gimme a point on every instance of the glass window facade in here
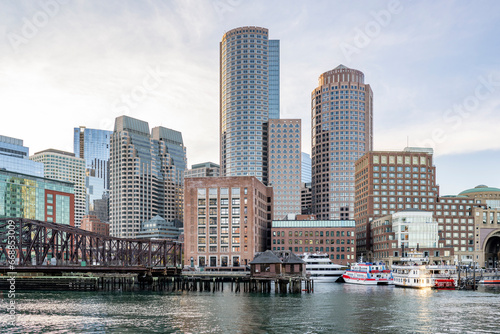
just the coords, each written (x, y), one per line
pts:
(27, 196)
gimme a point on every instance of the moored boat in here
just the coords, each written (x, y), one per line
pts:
(321, 269)
(415, 271)
(368, 273)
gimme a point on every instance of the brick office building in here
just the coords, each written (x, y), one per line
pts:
(227, 220)
(334, 237)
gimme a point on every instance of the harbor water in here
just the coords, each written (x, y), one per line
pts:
(332, 308)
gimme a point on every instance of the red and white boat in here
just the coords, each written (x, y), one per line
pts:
(368, 274)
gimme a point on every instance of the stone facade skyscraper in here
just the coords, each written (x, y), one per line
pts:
(146, 175)
(342, 131)
(249, 97)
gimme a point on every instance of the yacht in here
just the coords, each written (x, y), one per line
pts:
(321, 268)
(368, 273)
(415, 271)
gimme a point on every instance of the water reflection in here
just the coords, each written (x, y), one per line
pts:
(341, 308)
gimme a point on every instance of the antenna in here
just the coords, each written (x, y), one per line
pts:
(407, 141)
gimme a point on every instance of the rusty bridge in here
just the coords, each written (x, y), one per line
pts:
(28, 245)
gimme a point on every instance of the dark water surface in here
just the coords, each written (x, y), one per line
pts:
(332, 308)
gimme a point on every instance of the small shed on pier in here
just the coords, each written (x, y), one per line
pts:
(277, 264)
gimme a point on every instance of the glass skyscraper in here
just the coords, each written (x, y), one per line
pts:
(14, 157)
(92, 145)
(274, 79)
(306, 168)
(146, 175)
(249, 97)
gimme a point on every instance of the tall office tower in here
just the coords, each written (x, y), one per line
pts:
(206, 169)
(387, 182)
(249, 83)
(342, 122)
(92, 145)
(64, 166)
(306, 168)
(14, 157)
(146, 175)
(284, 147)
(227, 220)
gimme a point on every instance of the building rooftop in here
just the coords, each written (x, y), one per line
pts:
(480, 189)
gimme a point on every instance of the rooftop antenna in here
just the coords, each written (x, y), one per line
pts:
(407, 141)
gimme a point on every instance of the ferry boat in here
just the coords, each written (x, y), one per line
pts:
(321, 268)
(489, 280)
(415, 271)
(369, 274)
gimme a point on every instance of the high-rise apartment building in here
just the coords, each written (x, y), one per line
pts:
(146, 175)
(342, 122)
(14, 157)
(249, 97)
(64, 166)
(92, 145)
(227, 220)
(284, 165)
(206, 169)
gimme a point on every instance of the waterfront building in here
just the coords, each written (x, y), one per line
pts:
(333, 237)
(388, 182)
(206, 169)
(249, 97)
(14, 157)
(93, 224)
(396, 235)
(284, 166)
(33, 197)
(342, 131)
(306, 168)
(305, 199)
(158, 228)
(227, 220)
(146, 175)
(92, 145)
(65, 166)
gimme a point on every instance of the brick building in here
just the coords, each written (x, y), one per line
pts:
(334, 237)
(93, 224)
(227, 220)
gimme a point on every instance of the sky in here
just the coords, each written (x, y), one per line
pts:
(433, 66)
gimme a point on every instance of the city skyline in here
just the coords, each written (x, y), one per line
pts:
(432, 68)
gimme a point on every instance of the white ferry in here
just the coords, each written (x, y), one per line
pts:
(321, 268)
(368, 274)
(416, 272)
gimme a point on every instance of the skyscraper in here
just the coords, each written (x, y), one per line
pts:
(92, 145)
(306, 168)
(249, 96)
(64, 166)
(146, 175)
(342, 131)
(284, 165)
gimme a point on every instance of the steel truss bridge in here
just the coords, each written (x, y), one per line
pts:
(37, 246)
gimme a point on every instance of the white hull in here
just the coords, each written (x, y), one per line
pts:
(325, 279)
(364, 281)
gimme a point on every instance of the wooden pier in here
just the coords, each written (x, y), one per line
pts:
(141, 282)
